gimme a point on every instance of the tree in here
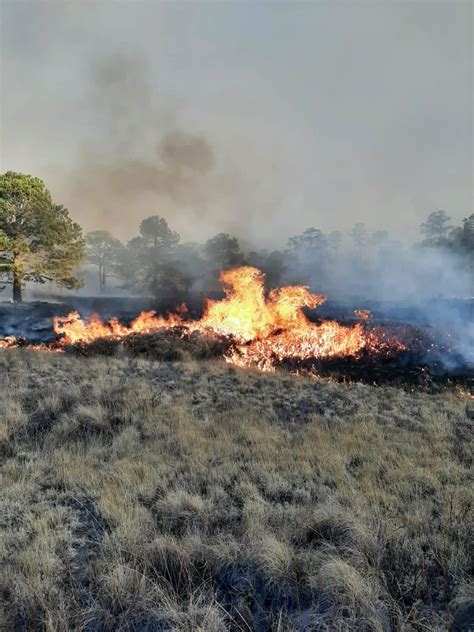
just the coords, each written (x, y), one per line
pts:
(147, 262)
(271, 263)
(312, 239)
(334, 242)
(467, 237)
(103, 251)
(359, 235)
(378, 238)
(38, 240)
(155, 233)
(436, 229)
(189, 264)
(274, 268)
(223, 252)
(308, 252)
(462, 238)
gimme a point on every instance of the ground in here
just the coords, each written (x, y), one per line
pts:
(185, 495)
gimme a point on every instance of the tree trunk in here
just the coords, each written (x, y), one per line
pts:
(17, 296)
(102, 277)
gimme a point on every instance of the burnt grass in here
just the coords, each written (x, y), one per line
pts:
(146, 489)
(165, 344)
(412, 367)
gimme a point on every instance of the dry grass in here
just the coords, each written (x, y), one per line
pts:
(145, 495)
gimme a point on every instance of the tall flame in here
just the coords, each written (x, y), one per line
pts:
(265, 330)
(247, 315)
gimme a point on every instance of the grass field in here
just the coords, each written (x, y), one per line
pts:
(144, 495)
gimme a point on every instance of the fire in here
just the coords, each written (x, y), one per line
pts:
(247, 315)
(75, 330)
(266, 330)
(8, 343)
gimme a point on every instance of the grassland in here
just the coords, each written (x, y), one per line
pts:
(145, 495)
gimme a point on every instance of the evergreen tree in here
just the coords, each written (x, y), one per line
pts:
(103, 251)
(147, 263)
(436, 229)
(38, 240)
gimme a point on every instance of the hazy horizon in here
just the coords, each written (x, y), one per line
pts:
(255, 119)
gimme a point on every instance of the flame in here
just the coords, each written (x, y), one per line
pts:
(266, 330)
(75, 330)
(247, 315)
(8, 343)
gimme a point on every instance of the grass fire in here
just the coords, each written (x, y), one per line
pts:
(264, 331)
(175, 459)
(236, 317)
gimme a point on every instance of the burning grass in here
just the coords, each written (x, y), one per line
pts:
(140, 494)
(262, 330)
(253, 328)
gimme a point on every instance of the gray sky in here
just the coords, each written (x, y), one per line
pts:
(260, 119)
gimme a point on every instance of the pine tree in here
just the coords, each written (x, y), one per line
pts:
(38, 240)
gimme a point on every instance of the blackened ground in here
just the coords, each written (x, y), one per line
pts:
(406, 369)
(421, 365)
(164, 344)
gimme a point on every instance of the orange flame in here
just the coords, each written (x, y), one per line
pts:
(8, 343)
(247, 315)
(75, 330)
(265, 330)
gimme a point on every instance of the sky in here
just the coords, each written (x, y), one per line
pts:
(257, 119)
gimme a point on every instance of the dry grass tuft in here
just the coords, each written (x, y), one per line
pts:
(172, 495)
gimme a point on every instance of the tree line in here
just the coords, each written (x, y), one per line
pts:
(39, 242)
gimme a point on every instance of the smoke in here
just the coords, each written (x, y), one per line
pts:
(251, 120)
(139, 163)
(430, 287)
(283, 133)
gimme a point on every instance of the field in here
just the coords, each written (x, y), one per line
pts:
(184, 495)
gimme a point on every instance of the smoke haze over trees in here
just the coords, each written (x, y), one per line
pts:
(142, 108)
(240, 393)
(157, 109)
(39, 243)
(357, 263)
